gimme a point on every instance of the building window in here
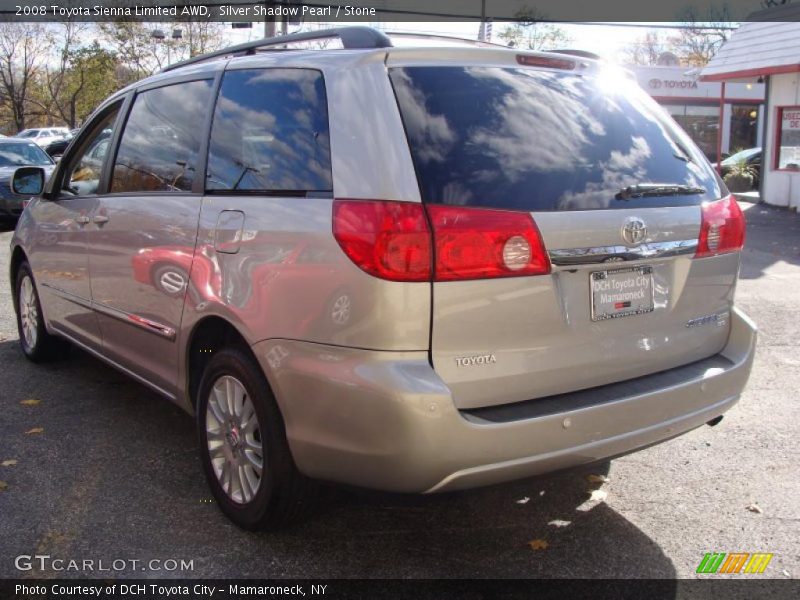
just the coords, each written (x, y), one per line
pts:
(787, 146)
(701, 122)
(744, 127)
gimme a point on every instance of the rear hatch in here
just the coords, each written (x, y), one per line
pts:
(617, 194)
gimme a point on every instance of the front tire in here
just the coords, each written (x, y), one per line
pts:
(36, 343)
(243, 447)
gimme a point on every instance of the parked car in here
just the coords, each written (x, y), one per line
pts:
(408, 269)
(750, 157)
(13, 154)
(44, 136)
(56, 149)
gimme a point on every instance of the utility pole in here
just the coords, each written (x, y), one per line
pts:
(269, 22)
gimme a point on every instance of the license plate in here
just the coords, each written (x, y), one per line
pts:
(621, 293)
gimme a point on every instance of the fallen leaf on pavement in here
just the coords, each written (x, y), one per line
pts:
(8, 463)
(30, 402)
(560, 523)
(538, 544)
(524, 500)
(34, 430)
(597, 479)
(754, 508)
(3, 486)
(598, 495)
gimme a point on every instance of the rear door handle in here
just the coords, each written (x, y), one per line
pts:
(100, 219)
(82, 220)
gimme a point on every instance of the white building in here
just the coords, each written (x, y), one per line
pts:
(695, 105)
(769, 51)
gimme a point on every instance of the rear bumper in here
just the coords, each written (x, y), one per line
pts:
(385, 420)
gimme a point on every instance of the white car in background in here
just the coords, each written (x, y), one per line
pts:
(43, 136)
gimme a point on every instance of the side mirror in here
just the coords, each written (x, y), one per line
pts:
(28, 181)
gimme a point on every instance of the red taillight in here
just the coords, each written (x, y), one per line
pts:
(722, 228)
(390, 240)
(475, 243)
(531, 60)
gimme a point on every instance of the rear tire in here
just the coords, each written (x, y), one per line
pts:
(37, 345)
(243, 447)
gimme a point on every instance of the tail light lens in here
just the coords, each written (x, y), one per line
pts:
(390, 240)
(722, 228)
(530, 60)
(475, 243)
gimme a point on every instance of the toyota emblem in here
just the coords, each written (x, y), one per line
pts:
(634, 231)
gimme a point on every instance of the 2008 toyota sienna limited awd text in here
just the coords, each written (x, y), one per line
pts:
(404, 268)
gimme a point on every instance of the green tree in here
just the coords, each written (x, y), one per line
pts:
(86, 79)
(78, 76)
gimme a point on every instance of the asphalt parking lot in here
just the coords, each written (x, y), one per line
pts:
(113, 474)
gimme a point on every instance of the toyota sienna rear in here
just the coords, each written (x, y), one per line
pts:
(406, 269)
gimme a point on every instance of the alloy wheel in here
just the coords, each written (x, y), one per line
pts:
(28, 312)
(233, 437)
(340, 311)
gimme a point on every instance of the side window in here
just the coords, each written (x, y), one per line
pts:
(270, 133)
(161, 140)
(84, 169)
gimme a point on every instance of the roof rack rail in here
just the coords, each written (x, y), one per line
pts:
(578, 53)
(351, 37)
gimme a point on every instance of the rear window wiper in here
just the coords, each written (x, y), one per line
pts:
(642, 190)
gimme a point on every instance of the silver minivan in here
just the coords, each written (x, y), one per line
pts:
(403, 268)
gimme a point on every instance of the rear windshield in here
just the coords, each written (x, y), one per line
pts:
(22, 153)
(523, 139)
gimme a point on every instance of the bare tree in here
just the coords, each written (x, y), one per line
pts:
(140, 54)
(647, 49)
(535, 36)
(695, 43)
(59, 99)
(23, 47)
(700, 38)
(200, 37)
(134, 46)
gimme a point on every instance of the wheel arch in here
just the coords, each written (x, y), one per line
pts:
(208, 336)
(18, 256)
